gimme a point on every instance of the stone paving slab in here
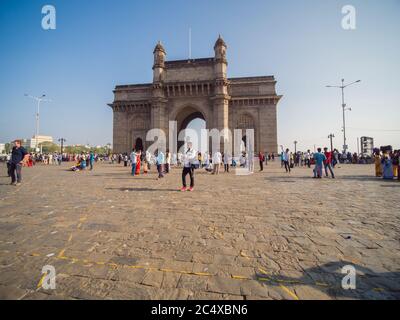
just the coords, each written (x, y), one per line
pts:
(270, 235)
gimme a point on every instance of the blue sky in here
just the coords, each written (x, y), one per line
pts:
(98, 44)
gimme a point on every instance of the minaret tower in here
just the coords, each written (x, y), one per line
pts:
(221, 98)
(159, 63)
(159, 106)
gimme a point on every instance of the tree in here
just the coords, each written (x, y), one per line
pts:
(49, 147)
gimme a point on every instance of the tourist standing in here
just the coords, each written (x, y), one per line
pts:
(188, 167)
(217, 159)
(18, 157)
(167, 161)
(319, 159)
(83, 161)
(125, 157)
(138, 162)
(387, 167)
(328, 163)
(378, 163)
(206, 159)
(9, 165)
(133, 162)
(200, 159)
(398, 165)
(395, 162)
(160, 159)
(261, 158)
(226, 162)
(307, 158)
(91, 160)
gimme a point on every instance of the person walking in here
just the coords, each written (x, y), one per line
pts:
(18, 156)
(286, 160)
(133, 161)
(188, 167)
(328, 163)
(319, 158)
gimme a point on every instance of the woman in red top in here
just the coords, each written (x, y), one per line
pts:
(138, 155)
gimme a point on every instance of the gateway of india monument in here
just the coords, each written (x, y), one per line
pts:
(183, 90)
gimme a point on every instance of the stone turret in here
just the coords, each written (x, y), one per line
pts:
(159, 63)
(220, 58)
(221, 98)
(158, 112)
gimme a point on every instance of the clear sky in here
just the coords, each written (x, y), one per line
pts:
(98, 44)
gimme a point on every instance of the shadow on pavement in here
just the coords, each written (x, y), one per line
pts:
(328, 279)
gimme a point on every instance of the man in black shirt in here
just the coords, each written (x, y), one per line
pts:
(18, 156)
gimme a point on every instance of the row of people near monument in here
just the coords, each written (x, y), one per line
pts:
(303, 159)
(144, 161)
(321, 160)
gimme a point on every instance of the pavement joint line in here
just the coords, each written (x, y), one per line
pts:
(39, 285)
(264, 278)
(289, 292)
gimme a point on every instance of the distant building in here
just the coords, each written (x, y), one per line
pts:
(2, 148)
(36, 141)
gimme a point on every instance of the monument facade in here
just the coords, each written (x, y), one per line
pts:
(183, 90)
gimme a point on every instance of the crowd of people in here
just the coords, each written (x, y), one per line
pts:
(387, 164)
(140, 161)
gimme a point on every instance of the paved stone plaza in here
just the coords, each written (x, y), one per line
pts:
(266, 236)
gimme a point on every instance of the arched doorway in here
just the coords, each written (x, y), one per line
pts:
(246, 121)
(190, 123)
(139, 144)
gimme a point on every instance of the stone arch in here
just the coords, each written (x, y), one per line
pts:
(139, 145)
(184, 114)
(247, 120)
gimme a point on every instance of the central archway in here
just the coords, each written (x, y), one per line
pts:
(191, 118)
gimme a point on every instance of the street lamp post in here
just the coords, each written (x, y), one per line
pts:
(295, 147)
(331, 136)
(344, 109)
(38, 100)
(62, 140)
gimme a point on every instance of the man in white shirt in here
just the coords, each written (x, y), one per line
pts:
(307, 158)
(160, 160)
(188, 167)
(167, 161)
(148, 159)
(286, 160)
(217, 159)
